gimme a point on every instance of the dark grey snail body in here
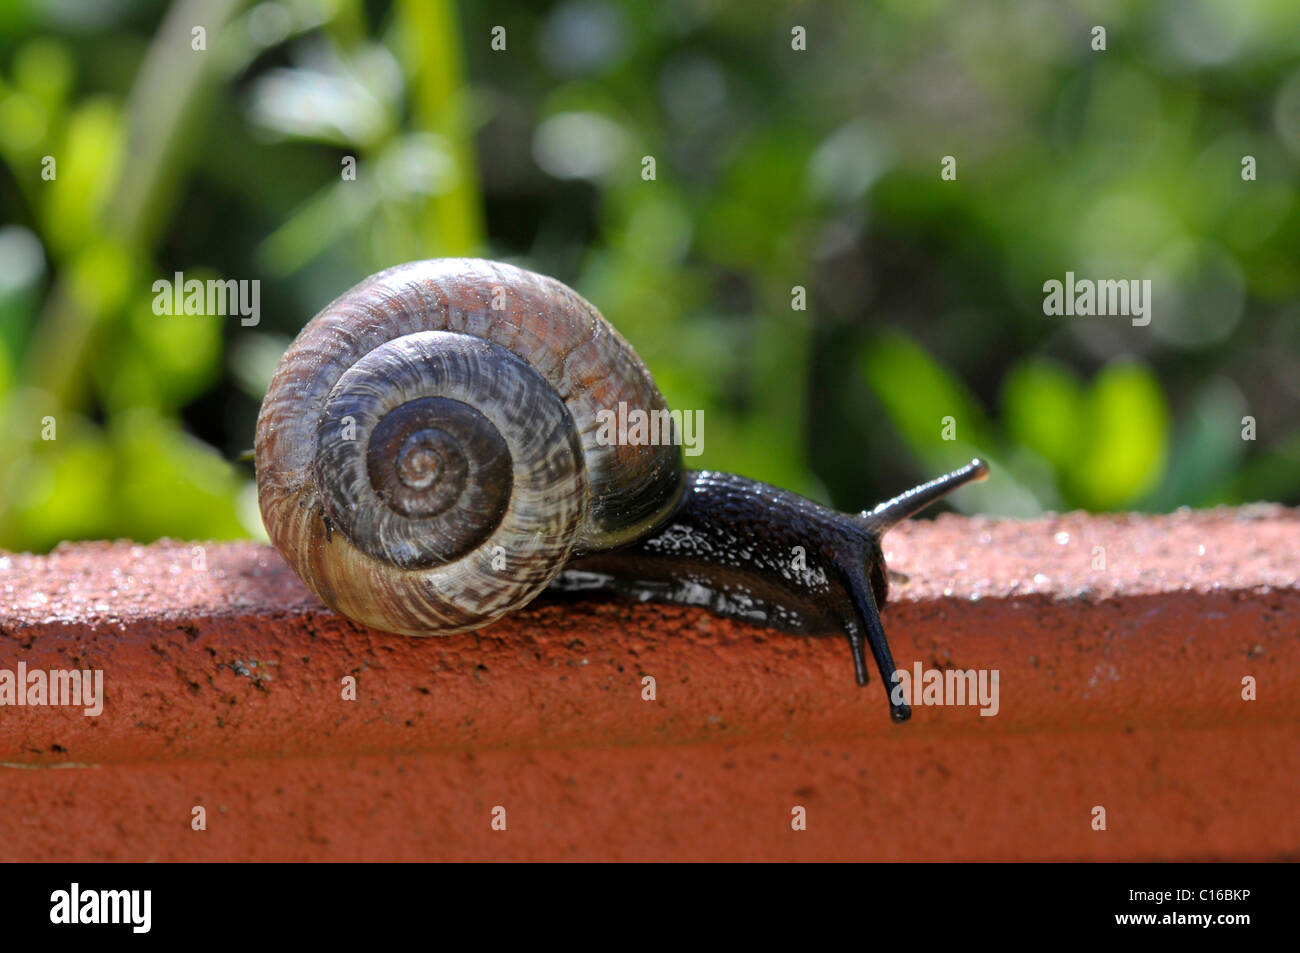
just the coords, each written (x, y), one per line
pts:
(428, 459)
(731, 546)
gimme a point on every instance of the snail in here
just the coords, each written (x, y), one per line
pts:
(429, 457)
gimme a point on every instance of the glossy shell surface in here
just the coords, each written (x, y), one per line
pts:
(429, 452)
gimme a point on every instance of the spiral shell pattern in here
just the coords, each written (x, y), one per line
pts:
(427, 453)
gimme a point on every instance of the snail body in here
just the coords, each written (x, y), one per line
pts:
(429, 458)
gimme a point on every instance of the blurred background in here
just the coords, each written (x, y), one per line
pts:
(774, 168)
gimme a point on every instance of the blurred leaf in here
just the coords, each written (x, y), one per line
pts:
(1123, 448)
(61, 491)
(1208, 448)
(22, 271)
(169, 484)
(756, 191)
(918, 393)
(43, 69)
(847, 163)
(100, 277)
(325, 219)
(269, 24)
(580, 145)
(24, 125)
(6, 371)
(415, 166)
(1043, 408)
(87, 170)
(332, 100)
(162, 360)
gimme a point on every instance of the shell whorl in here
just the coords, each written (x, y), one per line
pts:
(427, 452)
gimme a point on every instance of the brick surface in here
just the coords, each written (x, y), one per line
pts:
(1119, 687)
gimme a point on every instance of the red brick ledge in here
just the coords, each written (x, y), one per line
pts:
(1119, 686)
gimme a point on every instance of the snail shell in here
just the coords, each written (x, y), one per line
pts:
(439, 421)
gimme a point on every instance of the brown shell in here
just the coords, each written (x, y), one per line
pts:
(573, 495)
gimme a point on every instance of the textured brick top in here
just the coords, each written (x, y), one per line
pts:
(219, 651)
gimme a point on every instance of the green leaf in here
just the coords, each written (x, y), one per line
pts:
(325, 218)
(1042, 408)
(1125, 443)
(86, 172)
(43, 68)
(919, 395)
(60, 491)
(169, 484)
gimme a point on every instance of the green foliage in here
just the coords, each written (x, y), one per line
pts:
(924, 339)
